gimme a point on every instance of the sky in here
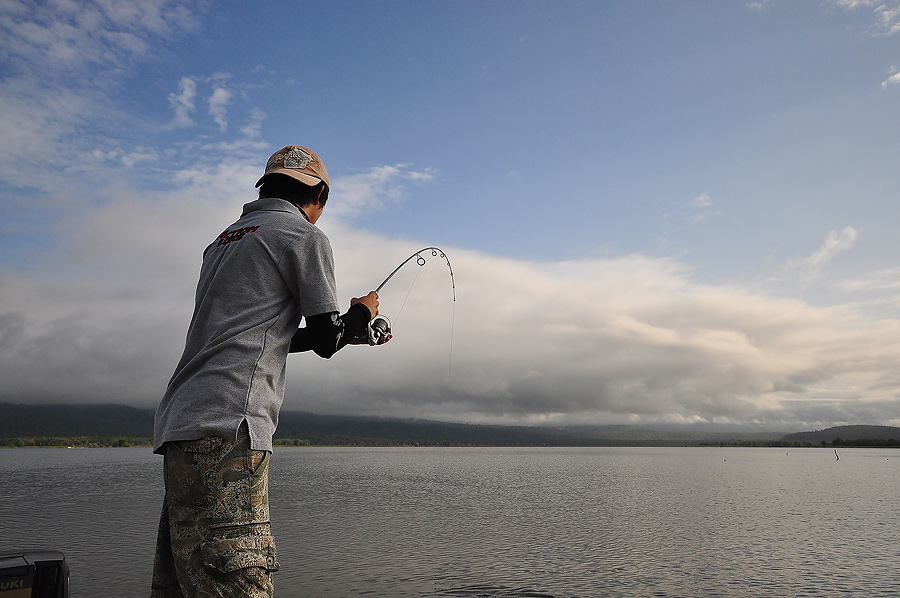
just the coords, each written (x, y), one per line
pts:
(657, 213)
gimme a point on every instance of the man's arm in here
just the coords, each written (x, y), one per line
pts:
(326, 334)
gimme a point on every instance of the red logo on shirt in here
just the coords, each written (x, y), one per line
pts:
(230, 236)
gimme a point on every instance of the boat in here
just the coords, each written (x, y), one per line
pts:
(34, 574)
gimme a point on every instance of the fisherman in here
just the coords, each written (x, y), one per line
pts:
(214, 425)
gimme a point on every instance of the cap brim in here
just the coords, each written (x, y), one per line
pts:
(303, 178)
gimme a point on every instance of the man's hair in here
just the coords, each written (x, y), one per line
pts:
(285, 187)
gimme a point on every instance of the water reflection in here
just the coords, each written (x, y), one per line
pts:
(502, 523)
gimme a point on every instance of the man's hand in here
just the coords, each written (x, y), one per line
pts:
(370, 301)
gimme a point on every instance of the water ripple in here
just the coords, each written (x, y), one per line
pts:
(500, 523)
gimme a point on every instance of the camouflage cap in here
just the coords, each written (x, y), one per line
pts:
(297, 162)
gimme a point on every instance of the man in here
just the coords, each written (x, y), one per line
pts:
(215, 422)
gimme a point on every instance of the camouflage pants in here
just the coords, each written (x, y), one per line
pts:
(214, 536)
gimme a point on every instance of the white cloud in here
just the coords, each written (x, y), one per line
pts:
(852, 4)
(31, 123)
(698, 208)
(217, 106)
(808, 268)
(183, 102)
(760, 6)
(138, 155)
(887, 12)
(61, 59)
(66, 37)
(884, 280)
(701, 201)
(158, 17)
(889, 17)
(252, 128)
(212, 177)
(379, 186)
(836, 242)
(894, 79)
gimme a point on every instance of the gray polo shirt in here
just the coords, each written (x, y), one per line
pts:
(258, 279)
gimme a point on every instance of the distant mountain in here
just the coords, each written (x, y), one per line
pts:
(25, 421)
(342, 430)
(109, 421)
(74, 420)
(845, 433)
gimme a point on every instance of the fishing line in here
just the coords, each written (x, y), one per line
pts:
(421, 262)
(408, 292)
(380, 327)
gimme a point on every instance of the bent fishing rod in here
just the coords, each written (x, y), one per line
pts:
(379, 329)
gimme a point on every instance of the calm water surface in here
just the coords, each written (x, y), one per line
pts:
(504, 523)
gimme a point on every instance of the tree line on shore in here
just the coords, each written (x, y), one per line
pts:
(340, 440)
(836, 443)
(74, 442)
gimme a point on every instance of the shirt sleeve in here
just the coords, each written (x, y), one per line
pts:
(326, 334)
(308, 269)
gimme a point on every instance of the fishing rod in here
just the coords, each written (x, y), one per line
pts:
(379, 329)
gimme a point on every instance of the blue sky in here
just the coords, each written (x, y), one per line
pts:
(656, 212)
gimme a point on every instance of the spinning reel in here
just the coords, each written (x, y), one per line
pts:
(379, 331)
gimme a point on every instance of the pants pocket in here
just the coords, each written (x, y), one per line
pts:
(229, 555)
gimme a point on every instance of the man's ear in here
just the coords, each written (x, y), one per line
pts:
(321, 190)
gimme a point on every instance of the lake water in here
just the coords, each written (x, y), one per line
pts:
(503, 523)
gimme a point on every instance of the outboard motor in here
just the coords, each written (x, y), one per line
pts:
(38, 574)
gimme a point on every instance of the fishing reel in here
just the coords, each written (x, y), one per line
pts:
(379, 330)
(376, 333)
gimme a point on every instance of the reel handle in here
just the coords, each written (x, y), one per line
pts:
(379, 331)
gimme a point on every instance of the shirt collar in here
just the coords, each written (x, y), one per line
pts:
(273, 204)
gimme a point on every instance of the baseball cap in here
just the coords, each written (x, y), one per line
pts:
(297, 162)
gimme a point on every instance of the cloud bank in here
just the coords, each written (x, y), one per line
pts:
(631, 339)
